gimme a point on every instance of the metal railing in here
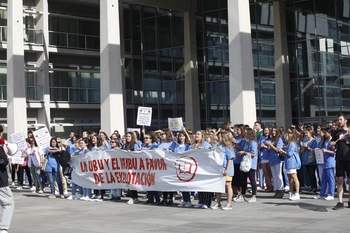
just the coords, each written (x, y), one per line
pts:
(74, 95)
(33, 93)
(73, 40)
(30, 36)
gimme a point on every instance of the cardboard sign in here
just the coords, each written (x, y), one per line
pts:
(42, 137)
(319, 156)
(144, 116)
(20, 140)
(175, 124)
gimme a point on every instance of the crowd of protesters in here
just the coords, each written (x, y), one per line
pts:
(283, 162)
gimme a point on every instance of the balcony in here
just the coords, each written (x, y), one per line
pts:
(75, 95)
(30, 36)
(74, 41)
(34, 93)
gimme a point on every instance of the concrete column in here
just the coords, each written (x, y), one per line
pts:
(16, 85)
(242, 92)
(192, 104)
(43, 79)
(282, 86)
(112, 103)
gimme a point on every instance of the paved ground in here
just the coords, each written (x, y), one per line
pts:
(36, 213)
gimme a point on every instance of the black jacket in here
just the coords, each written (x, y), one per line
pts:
(4, 179)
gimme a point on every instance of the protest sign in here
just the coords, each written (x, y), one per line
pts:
(42, 137)
(319, 156)
(175, 124)
(20, 140)
(144, 116)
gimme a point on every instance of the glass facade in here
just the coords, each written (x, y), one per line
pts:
(318, 39)
(213, 63)
(153, 62)
(153, 59)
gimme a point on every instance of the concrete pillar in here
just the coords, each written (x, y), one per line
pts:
(16, 85)
(43, 79)
(112, 103)
(282, 86)
(242, 91)
(192, 104)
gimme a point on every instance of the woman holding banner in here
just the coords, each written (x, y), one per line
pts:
(182, 146)
(131, 145)
(150, 144)
(167, 143)
(200, 143)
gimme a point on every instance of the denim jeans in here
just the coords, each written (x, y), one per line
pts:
(35, 171)
(55, 176)
(87, 192)
(74, 189)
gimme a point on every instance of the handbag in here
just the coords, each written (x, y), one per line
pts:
(246, 163)
(44, 163)
(68, 172)
(310, 157)
(297, 160)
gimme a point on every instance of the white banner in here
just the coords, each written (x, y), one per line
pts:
(144, 116)
(150, 170)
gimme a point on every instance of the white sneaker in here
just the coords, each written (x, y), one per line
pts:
(32, 188)
(65, 193)
(318, 197)
(204, 207)
(198, 205)
(216, 206)
(87, 198)
(40, 191)
(13, 184)
(182, 204)
(286, 189)
(82, 198)
(239, 199)
(71, 198)
(188, 204)
(295, 197)
(252, 200)
(20, 187)
(227, 207)
(130, 202)
(57, 193)
(329, 198)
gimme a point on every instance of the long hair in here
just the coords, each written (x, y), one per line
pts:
(250, 134)
(201, 142)
(130, 145)
(225, 140)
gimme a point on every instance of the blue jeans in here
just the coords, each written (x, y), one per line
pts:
(86, 192)
(55, 176)
(327, 180)
(285, 176)
(74, 189)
